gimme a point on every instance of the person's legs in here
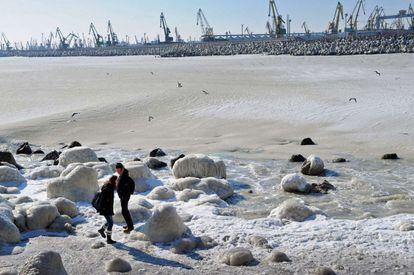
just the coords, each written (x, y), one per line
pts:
(126, 214)
(109, 227)
(103, 228)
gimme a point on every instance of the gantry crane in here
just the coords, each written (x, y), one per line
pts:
(49, 40)
(99, 41)
(6, 42)
(372, 19)
(206, 30)
(278, 28)
(177, 36)
(112, 38)
(248, 31)
(167, 31)
(333, 27)
(305, 27)
(353, 18)
(65, 41)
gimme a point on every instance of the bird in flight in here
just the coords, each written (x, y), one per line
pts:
(378, 73)
(205, 92)
(150, 118)
(353, 99)
(179, 84)
(152, 73)
(75, 114)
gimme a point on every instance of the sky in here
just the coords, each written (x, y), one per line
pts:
(22, 19)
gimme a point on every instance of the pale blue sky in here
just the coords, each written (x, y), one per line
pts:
(21, 19)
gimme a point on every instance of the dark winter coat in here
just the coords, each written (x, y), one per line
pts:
(107, 201)
(126, 185)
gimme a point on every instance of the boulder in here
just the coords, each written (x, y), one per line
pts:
(324, 271)
(161, 193)
(38, 152)
(278, 257)
(139, 213)
(157, 153)
(313, 166)
(54, 155)
(66, 207)
(103, 169)
(8, 157)
(237, 257)
(24, 149)
(405, 226)
(9, 232)
(258, 241)
(322, 188)
(293, 210)
(40, 215)
(10, 177)
(220, 187)
(295, 183)
(103, 160)
(155, 164)
(307, 141)
(3, 190)
(98, 245)
(46, 172)
(74, 144)
(118, 265)
(390, 157)
(44, 263)
(199, 166)
(339, 160)
(210, 199)
(8, 272)
(183, 246)
(189, 194)
(140, 173)
(13, 190)
(20, 200)
(77, 155)
(297, 158)
(164, 225)
(81, 184)
(174, 160)
(59, 224)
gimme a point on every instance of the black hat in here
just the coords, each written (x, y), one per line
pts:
(119, 166)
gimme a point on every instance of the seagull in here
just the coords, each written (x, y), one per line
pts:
(205, 92)
(152, 73)
(378, 73)
(354, 99)
(179, 84)
(150, 118)
(75, 114)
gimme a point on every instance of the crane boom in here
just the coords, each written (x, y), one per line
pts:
(353, 18)
(98, 38)
(6, 42)
(206, 30)
(305, 27)
(167, 31)
(112, 38)
(333, 27)
(411, 22)
(278, 28)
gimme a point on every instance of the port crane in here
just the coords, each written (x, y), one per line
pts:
(333, 27)
(410, 11)
(353, 18)
(112, 38)
(167, 31)
(305, 27)
(177, 36)
(206, 30)
(278, 29)
(99, 41)
(65, 41)
(377, 12)
(6, 42)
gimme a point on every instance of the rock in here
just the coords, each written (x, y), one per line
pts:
(155, 164)
(278, 257)
(38, 152)
(92, 235)
(59, 224)
(9, 158)
(390, 156)
(237, 257)
(103, 169)
(324, 271)
(322, 188)
(103, 160)
(9, 232)
(313, 166)
(20, 220)
(3, 190)
(54, 155)
(140, 173)
(293, 210)
(164, 225)
(295, 183)
(258, 241)
(77, 155)
(174, 160)
(206, 242)
(405, 226)
(81, 184)
(183, 246)
(210, 199)
(74, 144)
(22, 199)
(40, 215)
(161, 193)
(157, 153)
(199, 166)
(189, 194)
(339, 160)
(143, 202)
(8, 272)
(307, 141)
(118, 265)
(45, 172)
(44, 263)
(297, 158)
(66, 207)
(13, 190)
(220, 187)
(137, 159)
(98, 245)
(69, 228)
(24, 149)
(10, 177)
(138, 212)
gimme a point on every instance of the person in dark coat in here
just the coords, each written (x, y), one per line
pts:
(125, 187)
(107, 208)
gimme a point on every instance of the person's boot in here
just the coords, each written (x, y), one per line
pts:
(102, 232)
(128, 230)
(109, 238)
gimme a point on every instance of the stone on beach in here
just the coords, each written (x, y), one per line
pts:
(9, 232)
(297, 158)
(189, 194)
(199, 166)
(155, 164)
(307, 141)
(140, 173)
(59, 224)
(278, 257)
(44, 263)
(24, 149)
(77, 155)
(66, 207)
(8, 157)
(220, 187)
(390, 157)
(293, 210)
(258, 241)
(405, 226)
(138, 208)
(174, 160)
(237, 257)
(157, 153)
(45, 172)
(324, 271)
(161, 193)
(313, 166)
(54, 155)
(40, 215)
(10, 177)
(295, 183)
(118, 265)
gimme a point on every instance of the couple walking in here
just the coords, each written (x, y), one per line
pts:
(125, 187)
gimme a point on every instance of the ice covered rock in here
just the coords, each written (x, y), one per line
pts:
(9, 232)
(59, 224)
(45, 172)
(155, 164)
(6, 156)
(183, 246)
(164, 225)
(139, 213)
(220, 187)
(24, 149)
(405, 226)
(47, 262)
(293, 210)
(258, 241)
(210, 199)
(77, 155)
(40, 215)
(237, 257)
(141, 174)
(189, 194)
(81, 184)
(118, 265)
(102, 169)
(313, 166)
(66, 207)
(174, 160)
(98, 245)
(161, 193)
(199, 166)
(10, 177)
(295, 183)
(20, 200)
(278, 257)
